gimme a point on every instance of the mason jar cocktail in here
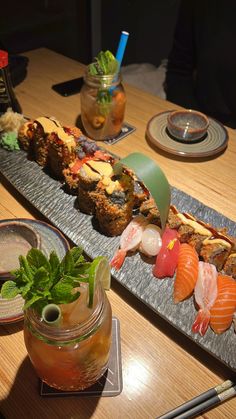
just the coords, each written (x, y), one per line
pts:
(103, 103)
(73, 353)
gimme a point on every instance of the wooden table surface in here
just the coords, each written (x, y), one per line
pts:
(161, 367)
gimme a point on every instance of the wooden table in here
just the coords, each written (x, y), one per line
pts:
(161, 367)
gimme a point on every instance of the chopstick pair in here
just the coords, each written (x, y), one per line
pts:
(203, 402)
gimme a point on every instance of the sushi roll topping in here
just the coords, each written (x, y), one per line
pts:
(104, 168)
(198, 228)
(67, 139)
(47, 124)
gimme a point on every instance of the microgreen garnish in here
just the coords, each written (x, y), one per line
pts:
(41, 280)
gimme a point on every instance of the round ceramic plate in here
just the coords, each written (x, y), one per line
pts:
(51, 239)
(215, 141)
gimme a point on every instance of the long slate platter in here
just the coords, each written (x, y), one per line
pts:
(49, 197)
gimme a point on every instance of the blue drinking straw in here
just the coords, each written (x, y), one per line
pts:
(121, 47)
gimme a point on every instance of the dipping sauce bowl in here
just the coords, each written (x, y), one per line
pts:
(187, 125)
(16, 238)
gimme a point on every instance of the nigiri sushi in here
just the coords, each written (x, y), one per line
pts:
(186, 273)
(167, 257)
(205, 293)
(130, 240)
(151, 241)
(225, 304)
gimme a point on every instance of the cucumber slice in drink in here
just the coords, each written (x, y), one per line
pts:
(99, 271)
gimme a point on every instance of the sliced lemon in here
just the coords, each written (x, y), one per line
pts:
(99, 271)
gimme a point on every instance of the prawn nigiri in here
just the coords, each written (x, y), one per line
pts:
(129, 240)
(186, 273)
(205, 293)
(225, 304)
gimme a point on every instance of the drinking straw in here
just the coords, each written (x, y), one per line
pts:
(203, 402)
(51, 314)
(121, 47)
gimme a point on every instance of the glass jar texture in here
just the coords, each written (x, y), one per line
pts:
(74, 354)
(103, 103)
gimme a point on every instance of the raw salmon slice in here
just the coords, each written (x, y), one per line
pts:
(225, 305)
(186, 273)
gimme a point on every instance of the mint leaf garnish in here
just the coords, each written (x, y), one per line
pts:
(9, 290)
(62, 292)
(105, 63)
(41, 280)
(37, 259)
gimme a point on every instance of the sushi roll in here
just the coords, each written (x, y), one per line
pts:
(192, 231)
(114, 204)
(25, 137)
(141, 193)
(43, 126)
(86, 150)
(216, 249)
(149, 209)
(90, 174)
(230, 265)
(61, 151)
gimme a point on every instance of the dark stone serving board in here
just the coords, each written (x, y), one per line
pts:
(49, 197)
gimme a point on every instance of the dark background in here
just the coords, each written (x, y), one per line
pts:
(81, 28)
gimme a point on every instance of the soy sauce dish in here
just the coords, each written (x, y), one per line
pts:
(16, 238)
(187, 126)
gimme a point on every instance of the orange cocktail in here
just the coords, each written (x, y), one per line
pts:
(103, 103)
(73, 353)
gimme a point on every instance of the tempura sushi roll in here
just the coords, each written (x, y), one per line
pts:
(61, 151)
(43, 126)
(25, 137)
(192, 231)
(230, 265)
(90, 174)
(149, 209)
(216, 250)
(141, 193)
(86, 150)
(114, 204)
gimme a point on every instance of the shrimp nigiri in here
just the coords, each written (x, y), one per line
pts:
(186, 273)
(205, 293)
(129, 240)
(225, 304)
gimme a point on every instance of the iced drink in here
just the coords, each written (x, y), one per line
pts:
(73, 354)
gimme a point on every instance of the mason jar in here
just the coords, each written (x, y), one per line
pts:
(73, 354)
(103, 103)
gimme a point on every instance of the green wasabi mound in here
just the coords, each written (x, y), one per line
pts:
(9, 141)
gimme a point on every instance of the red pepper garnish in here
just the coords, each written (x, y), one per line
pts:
(78, 164)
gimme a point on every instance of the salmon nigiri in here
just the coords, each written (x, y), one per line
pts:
(225, 304)
(205, 293)
(186, 273)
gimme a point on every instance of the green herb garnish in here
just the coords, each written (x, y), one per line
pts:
(105, 63)
(41, 280)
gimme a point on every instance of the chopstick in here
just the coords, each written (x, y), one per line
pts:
(203, 402)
